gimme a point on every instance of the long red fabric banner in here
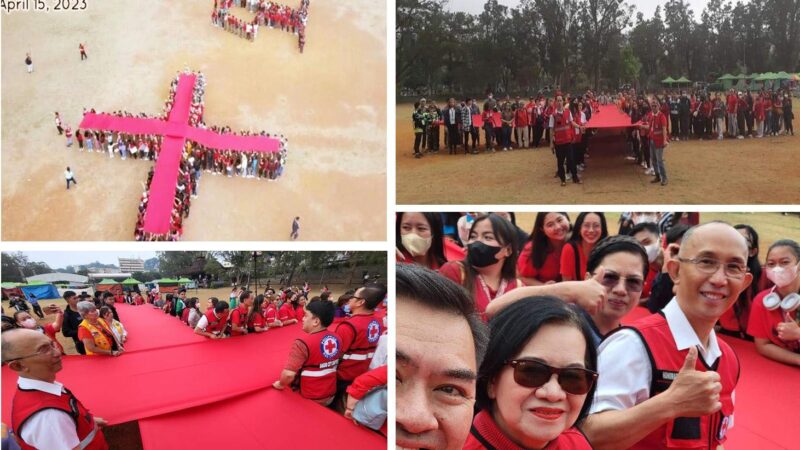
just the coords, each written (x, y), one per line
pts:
(609, 116)
(266, 418)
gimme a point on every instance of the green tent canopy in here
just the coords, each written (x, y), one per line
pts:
(682, 80)
(36, 283)
(131, 281)
(727, 76)
(184, 280)
(668, 80)
(766, 76)
(166, 281)
(741, 76)
(107, 281)
(10, 285)
(783, 76)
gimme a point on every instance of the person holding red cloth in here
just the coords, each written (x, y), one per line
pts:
(214, 322)
(286, 312)
(359, 335)
(271, 313)
(313, 359)
(773, 315)
(489, 270)
(536, 384)
(44, 413)
(240, 314)
(540, 259)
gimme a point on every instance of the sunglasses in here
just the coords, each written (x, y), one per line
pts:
(534, 374)
(632, 284)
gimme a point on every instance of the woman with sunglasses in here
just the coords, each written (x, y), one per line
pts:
(774, 317)
(620, 263)
(489, 269)
(540, 259)
(590, 227)
(536, 383)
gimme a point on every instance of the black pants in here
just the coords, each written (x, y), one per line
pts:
(38, 310)
(538, 131)
(417, 140)
(489, 130)
(564, 154)
(675, 125)
(506, 136)
(60, 130)
(425, 137)
(452, 137)
(646, 150)
(685, 126)
(637, 151)
(787, 122)
(84, 56)
(73, 180)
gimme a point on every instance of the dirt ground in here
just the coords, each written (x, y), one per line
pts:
(327, 101)
(749, 171)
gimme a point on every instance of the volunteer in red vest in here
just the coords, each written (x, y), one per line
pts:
(660, 138)
(667, 381)
(773, 315)
(314, 357)
(286, 311)
(95, 333)
(239, 315)
(535, 385)
(521, 123)
(45, 414)
(561, 141)
(359, 334)
(212, 324)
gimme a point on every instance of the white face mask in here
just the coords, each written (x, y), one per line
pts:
(416, 244)
(782, 277)
(652, 252)
(29, 323)
(645, 218)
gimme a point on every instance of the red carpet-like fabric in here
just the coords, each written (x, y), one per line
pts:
(165, 374)
(767, 398)
(609, 116)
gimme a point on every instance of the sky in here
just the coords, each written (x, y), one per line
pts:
(645, 6)
(61, 260)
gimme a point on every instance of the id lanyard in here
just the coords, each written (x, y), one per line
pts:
(500, 290)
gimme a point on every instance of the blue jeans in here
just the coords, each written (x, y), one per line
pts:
(658, 163)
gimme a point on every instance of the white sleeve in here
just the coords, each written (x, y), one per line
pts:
(552, 122)
(380, 357)
(203, 323)
(51, 429)
(625, 372)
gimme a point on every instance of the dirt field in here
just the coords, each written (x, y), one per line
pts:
(327, 101)
(750, 171)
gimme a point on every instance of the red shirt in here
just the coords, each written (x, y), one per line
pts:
(550, 270)
(286, 312)
(733, 103)
(270, 314)
(763, 322)
(482, 293)
(568, 262)
(238, 319)
(256, 321)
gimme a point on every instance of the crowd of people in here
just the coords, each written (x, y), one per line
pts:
(196, 158)
(561, 121)
(267, 13)
(556, 368)
(339, 361)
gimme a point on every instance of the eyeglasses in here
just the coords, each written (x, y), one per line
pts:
(711, 266)
(534, 374)
(632, 284)
(40, 352)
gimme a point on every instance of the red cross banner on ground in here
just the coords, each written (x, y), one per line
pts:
(176, 130)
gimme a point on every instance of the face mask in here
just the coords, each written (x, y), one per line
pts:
(346, 309)
(645, 218)
(29, 323)
(416, 244)
(482, 255)
(782, 277)
(652, 252)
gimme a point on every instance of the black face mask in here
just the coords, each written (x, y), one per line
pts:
(482, 255)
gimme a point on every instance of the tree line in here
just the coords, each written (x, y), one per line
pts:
(598, 44)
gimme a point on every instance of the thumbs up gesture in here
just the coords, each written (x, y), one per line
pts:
(591, 293)
(694, 393)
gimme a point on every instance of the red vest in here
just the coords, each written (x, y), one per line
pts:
(239, 318)
(685, 432)
(486, 434)
(318, 373)
(562, 127)
(658, 130)
(355, 360)
(216, 325)
(285, 312)
(576, 131)
(28, 402)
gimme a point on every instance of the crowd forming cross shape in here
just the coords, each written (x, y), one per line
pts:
(176, 130)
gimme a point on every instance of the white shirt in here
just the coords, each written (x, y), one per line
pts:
(381, 356)
(624, 366)
(51, 428)
(68, 174)
(553, 118)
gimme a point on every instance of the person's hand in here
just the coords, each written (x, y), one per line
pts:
(350, 404)
(591, 294)
(399, 255)
(277, 385)
(100, 422)
(788, 331)
(694, 393)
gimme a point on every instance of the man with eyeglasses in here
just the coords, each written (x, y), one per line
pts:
(653, 391)
(45, 414)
